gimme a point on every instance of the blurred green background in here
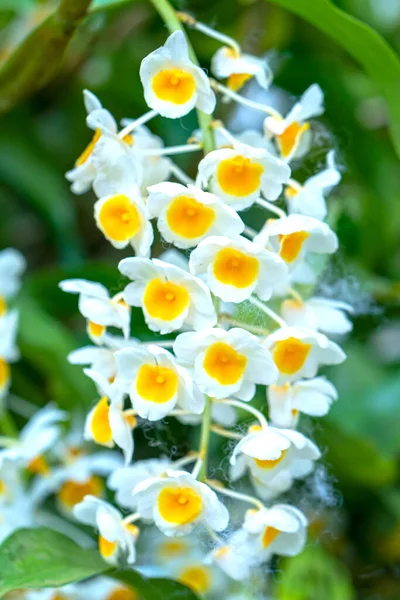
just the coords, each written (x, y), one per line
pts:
(357, 499)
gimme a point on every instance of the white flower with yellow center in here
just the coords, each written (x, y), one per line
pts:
(84, 173)
(11, 482)
(309, 198)
(38, 436)
(102, 360)
(123, 220)
(12, 265)
(186, 215)
(98, 308)
(250, 137)
(268, 451)
(292, 133)
(236, 557)
(172, 83)
(107, 425)
(9, 352)
(298, 352)
(155, 382)
(226, 362)
(156, 168)
(237, 68)
(294, 236)
(124, 480)
(17, 515)
(234, 268)
(240, 174)
(197, 576)
(321, 314)
(77, 478)
(311, 396)
(116, 536)
(281, 529)
(66, 592)
(178, 502)
(103, 588)
(169, 296)
(119, 166)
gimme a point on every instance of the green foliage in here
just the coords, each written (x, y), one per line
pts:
(36, 61)
(37, 558)
(40, 558)
(314, 575)
(45, 343)
(157, 588)
(363, 43)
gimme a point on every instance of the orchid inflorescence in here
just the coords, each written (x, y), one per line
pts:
(231, 307)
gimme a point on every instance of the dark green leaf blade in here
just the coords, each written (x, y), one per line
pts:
(38, 558)
(157, 588)
(363, 43)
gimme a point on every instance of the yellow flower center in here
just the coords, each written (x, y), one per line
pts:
(289, 139)
(89, 149)
(156, 384)
(3, 306)
(123, 593)
(106, 548)
(221, 552)
(239, 176)
(172, 549)
(165, 300)
(128, 139)
(292, 304)
(174, 85)
(3, 487)
(131, 421)
(100, 424)
(291, 245)
(231, 52)
(119, 218)
(223, 363)
(196, 578)
(233, 267)
(237, 80)
(269, 464)
(38, 466)
(179, 505)
(290, 355)
(270, 533)
(291, 192)
(95, 330)
(4, 373)
(133, 530)
(189, 218)
(72, 492)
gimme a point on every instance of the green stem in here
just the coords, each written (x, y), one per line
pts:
(204, 439)
(168, 14)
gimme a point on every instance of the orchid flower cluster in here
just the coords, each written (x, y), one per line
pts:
(12, 265)
(227, 299)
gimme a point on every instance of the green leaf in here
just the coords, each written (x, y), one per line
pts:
(37, 59)
(38, 558)
(30, 174)
(363, 43)
(315, 575)
(157, 588)
(45, 343)
(355, 461)
(368, 400)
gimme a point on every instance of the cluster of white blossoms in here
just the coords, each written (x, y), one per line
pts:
(234, 317)
(12, 265)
